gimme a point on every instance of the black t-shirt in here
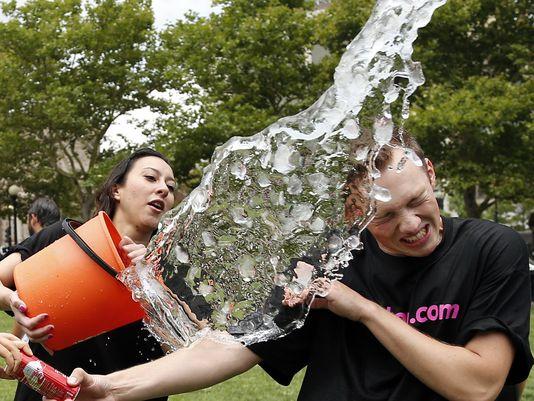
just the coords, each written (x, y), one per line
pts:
(476, 280)
(116, 350)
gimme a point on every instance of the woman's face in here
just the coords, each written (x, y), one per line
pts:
(146, 193)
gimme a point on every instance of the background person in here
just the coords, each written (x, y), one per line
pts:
(42, 213)
(433, 308)
(137, 192)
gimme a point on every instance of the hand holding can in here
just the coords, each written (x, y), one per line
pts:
(44, 379)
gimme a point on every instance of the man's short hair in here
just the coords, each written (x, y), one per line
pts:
(46, 211)
(400, 140)
(359, 183)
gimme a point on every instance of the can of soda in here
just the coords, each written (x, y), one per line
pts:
(44, 379)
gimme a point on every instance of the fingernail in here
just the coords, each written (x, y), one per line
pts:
(22, 308)
(50, 336)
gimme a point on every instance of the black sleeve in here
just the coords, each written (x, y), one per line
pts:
(284, 357)
(40, 240)
(502, 299)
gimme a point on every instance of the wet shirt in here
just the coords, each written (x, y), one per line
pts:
(475, 281)
(118, 349)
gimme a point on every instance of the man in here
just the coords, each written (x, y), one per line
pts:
(42, 212)
(433, 308)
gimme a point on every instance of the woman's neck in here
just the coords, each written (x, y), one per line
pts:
(137, 234)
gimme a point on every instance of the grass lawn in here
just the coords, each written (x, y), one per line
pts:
(254, 385)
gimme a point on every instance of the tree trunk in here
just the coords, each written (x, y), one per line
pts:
(88, 205)
(470, 203)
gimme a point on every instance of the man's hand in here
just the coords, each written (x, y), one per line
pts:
(92, 387)
(10, 350)
(29, 324)
(135, 252)
(340, 299)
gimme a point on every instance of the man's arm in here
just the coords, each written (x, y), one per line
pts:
(201, 365)
(476, 371)
(7, 265)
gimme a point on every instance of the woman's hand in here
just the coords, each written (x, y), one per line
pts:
(10, 351)
(135, 252)
(92, 387)
(29, 324)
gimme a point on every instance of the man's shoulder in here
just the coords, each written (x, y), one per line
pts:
(488, 237)
(40, 240)
(479, 229)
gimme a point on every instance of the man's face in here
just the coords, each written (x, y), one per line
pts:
(410, 223)
(29, 223)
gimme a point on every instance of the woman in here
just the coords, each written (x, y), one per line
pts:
(138, 191)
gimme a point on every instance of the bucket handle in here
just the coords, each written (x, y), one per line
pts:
(67, 227)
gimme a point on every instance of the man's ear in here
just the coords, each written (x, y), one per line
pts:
(34, 219)
(430, 172)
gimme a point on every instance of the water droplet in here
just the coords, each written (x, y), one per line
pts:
(263, 180)
(383, 130)
(199, 200)
(245, 266)
(334, 243)
(401, 163)
(208, 239)
(301, 212)
(380, 193)
(410, 154)
(294, 185)
(181, 254)
(239, 170)
(351, 130)
(317, 225)
(240, 216)
(281, 162)
(319, 183)
(205, 289)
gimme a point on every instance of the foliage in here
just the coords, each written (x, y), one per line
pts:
(479, 136)
(68, 70)
(473, 116)
(241, 69)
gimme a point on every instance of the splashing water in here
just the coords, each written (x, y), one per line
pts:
(228, 255)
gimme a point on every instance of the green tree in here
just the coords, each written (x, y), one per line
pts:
(241, 70)
(473, 115)
(68, 70)
(481, 138)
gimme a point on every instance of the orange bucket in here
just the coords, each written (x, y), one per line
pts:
(72, 280)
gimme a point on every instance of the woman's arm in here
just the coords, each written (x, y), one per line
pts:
(202, 365)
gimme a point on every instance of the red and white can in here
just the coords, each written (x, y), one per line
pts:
(44, 379)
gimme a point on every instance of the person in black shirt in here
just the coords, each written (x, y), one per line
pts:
(137, 192)
(433, 308)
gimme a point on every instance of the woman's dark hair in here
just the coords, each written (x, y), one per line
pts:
(104, 197)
